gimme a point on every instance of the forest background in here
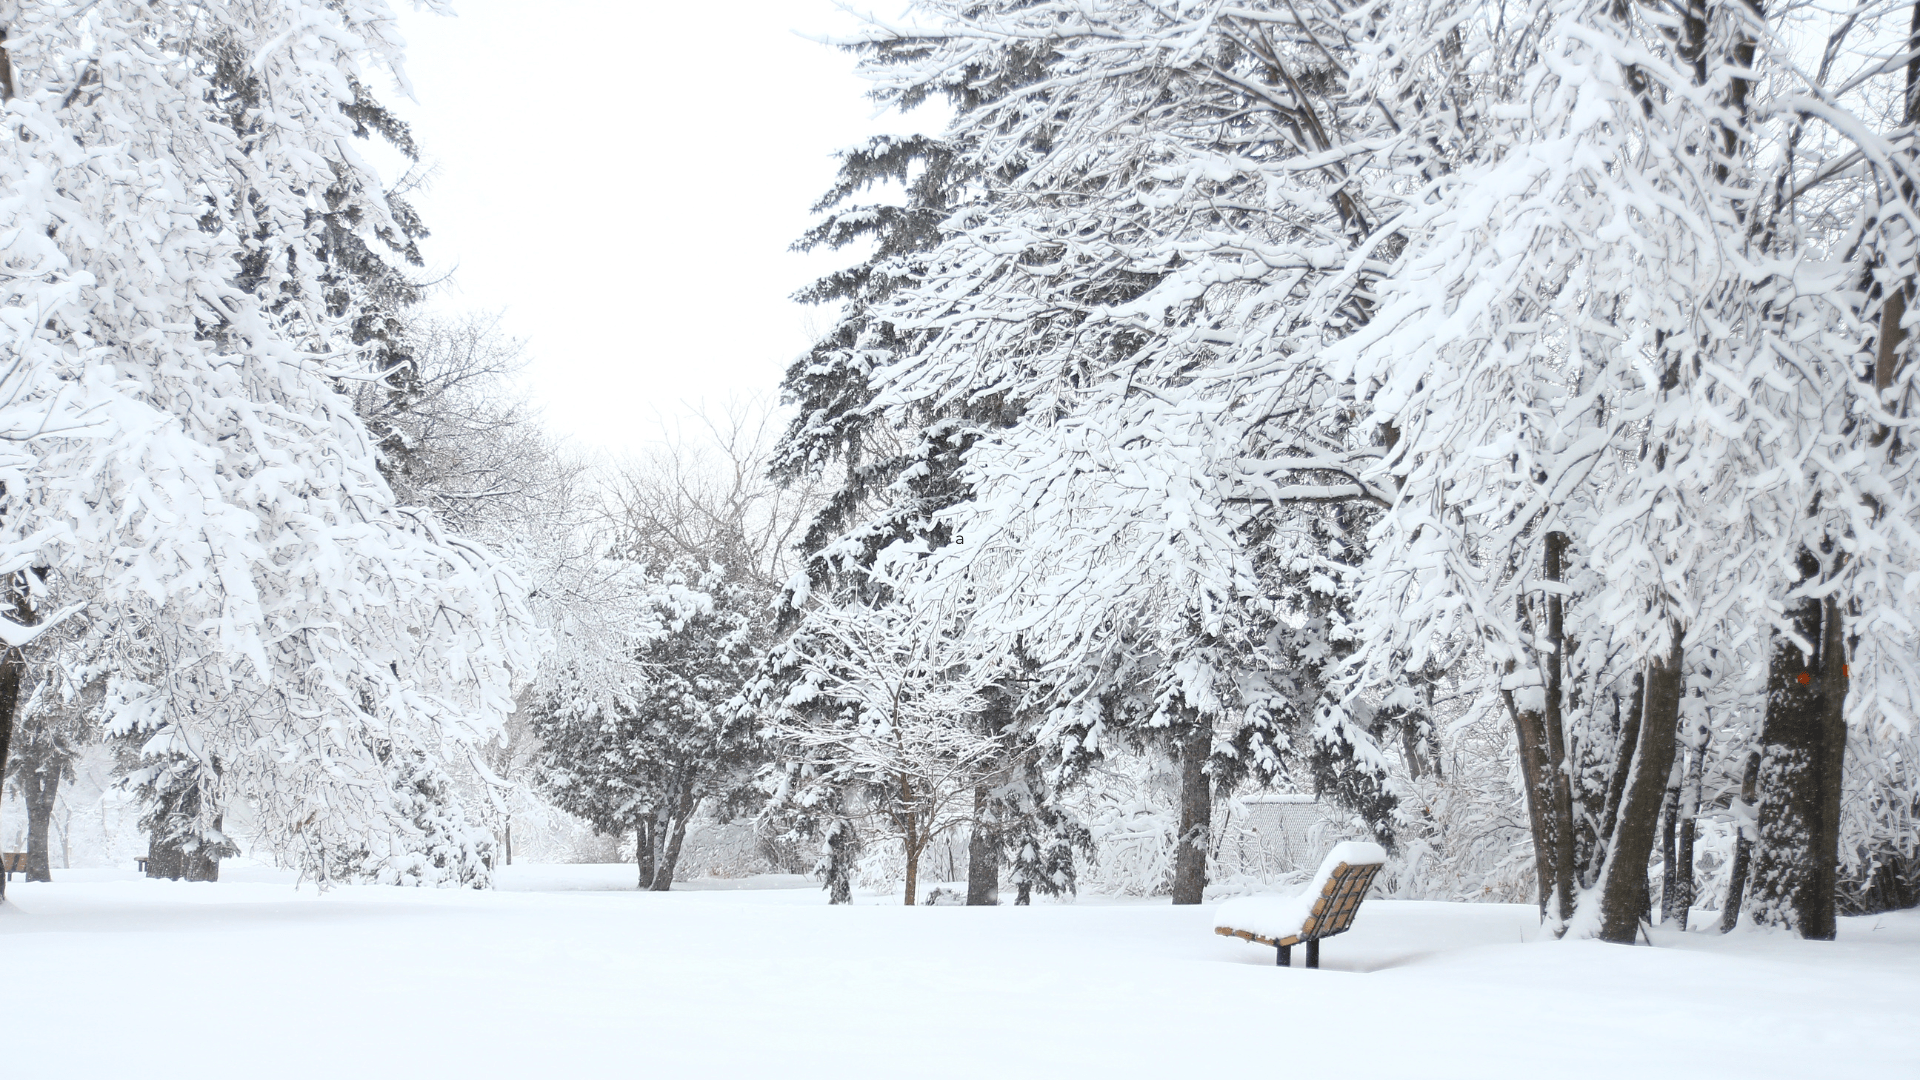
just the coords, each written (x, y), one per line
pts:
(1494, 427)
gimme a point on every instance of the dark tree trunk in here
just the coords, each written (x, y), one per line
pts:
(1410, 749)
(1833, 760)
(660, 831)
(1742, 845)
(643, 852)
(843, 846)
(40, 789)
(1591, 773)
(11, 665)
(1624, 880)
(1669, 822)
(1683, 883)
(1802, 753)
(9, 703)
(912, 839)
(1196, 815)
(1529, 734)
(1561, 781)
(1617, 784)
(983, 852)
(676, 836)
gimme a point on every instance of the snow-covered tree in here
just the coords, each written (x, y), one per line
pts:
(281, 620)
(1111, 290)
(866, 705)
(662, 611)
(55, 726)
(642, 753)
(456, 433)
(1545, 351)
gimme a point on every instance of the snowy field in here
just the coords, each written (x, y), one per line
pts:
(566, 972)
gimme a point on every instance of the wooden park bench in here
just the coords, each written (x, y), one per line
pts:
(1325, 909)
(16, 862)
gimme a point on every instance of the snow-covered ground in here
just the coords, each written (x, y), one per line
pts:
(566, 972)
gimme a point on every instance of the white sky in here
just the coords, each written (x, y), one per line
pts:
(622, 180)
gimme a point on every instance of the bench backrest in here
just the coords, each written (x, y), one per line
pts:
(1339, 899)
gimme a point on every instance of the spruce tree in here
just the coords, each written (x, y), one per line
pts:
(644, 753)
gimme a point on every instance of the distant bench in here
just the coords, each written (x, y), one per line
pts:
(16, 862)
(1325, 909)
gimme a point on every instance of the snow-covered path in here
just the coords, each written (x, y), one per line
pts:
(556, 975)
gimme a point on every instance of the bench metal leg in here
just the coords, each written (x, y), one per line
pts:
(1283, 955)
(1313, 953)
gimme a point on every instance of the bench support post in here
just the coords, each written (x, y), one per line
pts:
(1283, 955)
(1313, 953)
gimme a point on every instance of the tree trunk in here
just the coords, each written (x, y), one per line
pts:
(1833, 760)
(1886, 357)
(1590, 774)
(1410, 750)
(643, 852)
(10, 670)
(12, 662)
(1683, 880)
(843, 846)
(1669, 823)
(1742, 845)
(1617, 785)
(39, 788)
(163, 860)
(1562, 781)
(1196, 815)
(1624, 879)
(676, 836)
(1683, 885)
(660, 831)
(911, 841)
(1528, 733)
(1802, 753)
(983, 852)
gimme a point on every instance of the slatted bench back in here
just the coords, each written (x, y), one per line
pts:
(1339, 901)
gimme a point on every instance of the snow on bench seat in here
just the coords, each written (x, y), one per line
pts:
(1326, 907)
